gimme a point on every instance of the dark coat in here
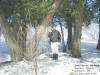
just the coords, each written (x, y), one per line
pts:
(54, 36)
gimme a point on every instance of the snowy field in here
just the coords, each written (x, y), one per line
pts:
(66, 65)
(88, 64)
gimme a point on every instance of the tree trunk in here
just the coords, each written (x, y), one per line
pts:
(69, 41)
(63, 43)
(0, 33)
(15, 37)
(98, 45)
(64, 47)
(11, 40)
(77, 30)
(76, 41)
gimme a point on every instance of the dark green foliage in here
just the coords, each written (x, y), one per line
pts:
(35, 9)
(6, 7)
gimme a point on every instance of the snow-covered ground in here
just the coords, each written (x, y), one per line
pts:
(88, 64)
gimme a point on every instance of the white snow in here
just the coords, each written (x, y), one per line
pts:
(89, 63)
(66, 65)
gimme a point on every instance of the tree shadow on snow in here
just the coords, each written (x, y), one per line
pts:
(89, 52)
(4, 53)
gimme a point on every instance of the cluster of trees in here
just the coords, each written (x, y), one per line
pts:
(16, 16)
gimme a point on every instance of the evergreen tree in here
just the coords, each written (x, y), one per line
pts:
(15, 32)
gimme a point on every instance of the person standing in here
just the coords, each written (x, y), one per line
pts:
(54, 39)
